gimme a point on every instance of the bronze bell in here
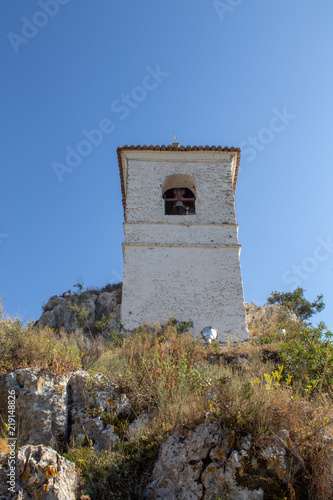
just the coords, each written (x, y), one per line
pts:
(179, 208)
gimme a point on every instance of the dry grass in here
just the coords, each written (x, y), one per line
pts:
(178, 381)
(161, 371)
(173, 377)
(22, 347)
(4, 448)
(30, 346)
(90, 348)
(4, 445)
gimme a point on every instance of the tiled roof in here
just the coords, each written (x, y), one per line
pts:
(174, 148)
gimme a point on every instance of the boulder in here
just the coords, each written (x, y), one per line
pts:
(58, 312)
(90, 391)
(105, 304)
(41, 473)
(90, 397)
(53, 302)
(41, 404)
(56, 410)
(209, 462)
(180, 463)
(261, 318)
(59, 317)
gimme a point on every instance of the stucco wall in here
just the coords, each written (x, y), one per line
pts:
(198, 284)
(145, 180)
(186, 266)
(181, 233)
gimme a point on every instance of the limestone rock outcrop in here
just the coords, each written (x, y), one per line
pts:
(64, 311)
(261, 318)
(204, 463)
(92, 400)
(41, 404)
(209, 462)
(41, 474)
(55, 410)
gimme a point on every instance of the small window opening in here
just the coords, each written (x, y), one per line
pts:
(179, 201)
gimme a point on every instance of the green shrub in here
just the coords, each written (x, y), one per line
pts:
(308, 357)
(296, 302)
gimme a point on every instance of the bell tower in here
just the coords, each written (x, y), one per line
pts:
(181, 251)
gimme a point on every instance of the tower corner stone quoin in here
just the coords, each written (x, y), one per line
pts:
(181, 250)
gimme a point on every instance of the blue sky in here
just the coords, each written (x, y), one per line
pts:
(250, 73)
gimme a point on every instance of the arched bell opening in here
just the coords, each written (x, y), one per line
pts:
(179, 201)
(179, 194)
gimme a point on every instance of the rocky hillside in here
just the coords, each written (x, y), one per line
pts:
(93, 309)
(80, 409)
(160, 415)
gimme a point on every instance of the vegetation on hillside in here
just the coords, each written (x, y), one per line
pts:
(276, 381)
(296, 301)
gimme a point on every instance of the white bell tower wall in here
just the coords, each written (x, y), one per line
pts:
(182, 266)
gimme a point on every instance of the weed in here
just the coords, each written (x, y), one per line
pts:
(118, 474)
